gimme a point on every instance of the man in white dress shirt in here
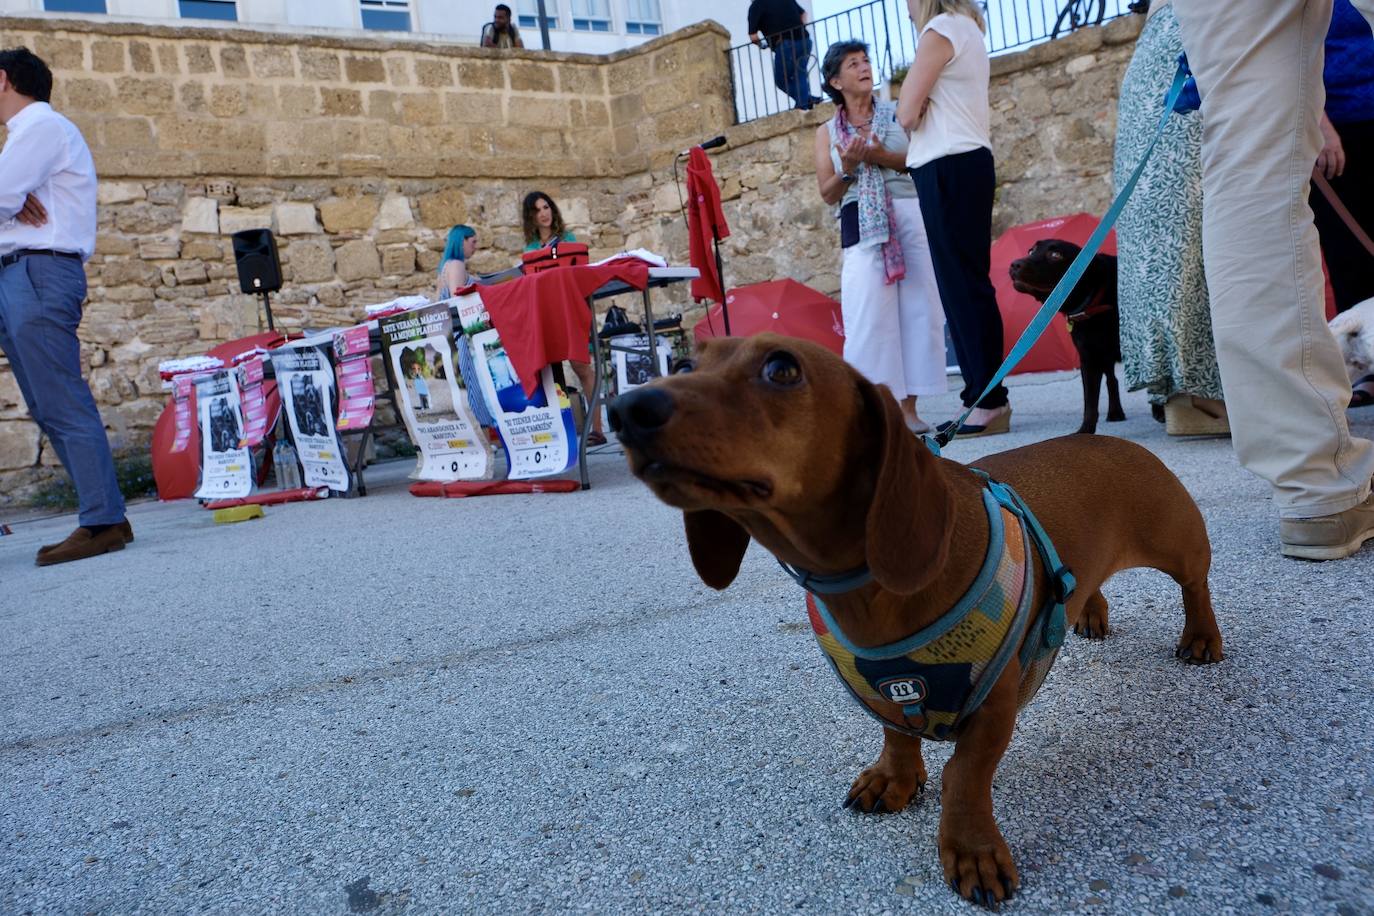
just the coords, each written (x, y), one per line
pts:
(47, 230)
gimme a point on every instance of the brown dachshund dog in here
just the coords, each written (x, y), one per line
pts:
(778, 440)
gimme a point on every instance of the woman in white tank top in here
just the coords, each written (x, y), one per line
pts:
(944, 105)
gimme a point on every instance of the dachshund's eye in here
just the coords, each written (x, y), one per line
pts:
(684, 365)
(782, 369)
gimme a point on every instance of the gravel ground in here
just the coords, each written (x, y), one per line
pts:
(530, 704)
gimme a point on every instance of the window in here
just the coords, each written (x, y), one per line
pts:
(74, 6)
(643, 17)
(386, 15)
(209, 9)
(591, 15)
(527, 13)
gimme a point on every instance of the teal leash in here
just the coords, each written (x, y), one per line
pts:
(1036, 329)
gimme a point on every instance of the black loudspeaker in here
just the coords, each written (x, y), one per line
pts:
(255, 254)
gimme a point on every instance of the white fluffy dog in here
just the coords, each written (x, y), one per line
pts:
(1354, 330)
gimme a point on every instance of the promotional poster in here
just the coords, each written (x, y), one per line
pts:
(306, 383)
(432, 400)
(634, 369)
(226, 468)
(254, 402)
(354, 368)
(182, 386)
(537, 433)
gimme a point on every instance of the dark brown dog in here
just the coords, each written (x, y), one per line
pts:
(779, 440)
(1094, 323)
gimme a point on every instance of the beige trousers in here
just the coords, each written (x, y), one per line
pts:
(1258, 65)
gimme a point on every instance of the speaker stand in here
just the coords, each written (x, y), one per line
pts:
(267, 306)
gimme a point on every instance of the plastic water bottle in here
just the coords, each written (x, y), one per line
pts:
(293, 469)
(278, 466)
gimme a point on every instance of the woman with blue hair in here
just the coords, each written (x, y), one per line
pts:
(453, 268)
(453, 276)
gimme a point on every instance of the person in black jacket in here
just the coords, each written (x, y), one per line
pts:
(783, 22)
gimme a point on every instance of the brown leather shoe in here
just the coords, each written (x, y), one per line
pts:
(82, 544)
(123, 527)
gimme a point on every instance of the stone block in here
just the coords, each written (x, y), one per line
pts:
(125, 272)
(364, 69)
(530, 112)
(310, 261)
(433, 73)
(126, 134)
(381, 106)
(443, 209)
(398, 260)
(474, 107)
(143, 218)
(107, 56)
(61, 53)
(481, 74)
(226, 101)
(298, 102)
(273, 61)
(141, 56)
(347, 102)
(422, 109)
(142, 95)
(108, 244)
(398, 70)
(579, 79)
(358, 260)
(188, 272)
(192, 96)
(202, 249)
(236, 219)
(319, 64)
(341, 213)
(395, 213)
(296, 219)
(159, 249)
(87, 95)
(18, 444)
(119, 192)
(529, 76)
(198, 58)
(233, 61)
(168, 59)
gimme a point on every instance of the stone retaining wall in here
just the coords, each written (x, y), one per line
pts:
(359, 154)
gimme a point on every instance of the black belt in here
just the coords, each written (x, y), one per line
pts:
(7, 260)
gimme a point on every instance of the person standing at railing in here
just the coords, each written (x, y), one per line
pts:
(944, 104)
(784, 24)
(894, 331)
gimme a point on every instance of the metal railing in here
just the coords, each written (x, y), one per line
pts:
(784, 71)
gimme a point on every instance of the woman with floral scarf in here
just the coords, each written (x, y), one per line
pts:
(894, 327)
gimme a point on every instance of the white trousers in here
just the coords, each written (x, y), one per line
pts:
(1258, 65)
(894, 334)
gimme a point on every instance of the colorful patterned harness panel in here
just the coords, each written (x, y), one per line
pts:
(928, 684)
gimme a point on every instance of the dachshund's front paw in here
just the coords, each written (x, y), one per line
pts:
(1116, 416)
(884, 787)
(1198, 647)
(1092, 623)
(977, 864)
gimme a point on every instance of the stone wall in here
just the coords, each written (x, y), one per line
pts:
(360, 154)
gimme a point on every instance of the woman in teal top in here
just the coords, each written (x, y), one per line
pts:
(543, 225)
(542, 222)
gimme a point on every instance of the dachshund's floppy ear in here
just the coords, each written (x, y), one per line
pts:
(717, 544)
(910, 521)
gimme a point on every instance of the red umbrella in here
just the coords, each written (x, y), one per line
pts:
(781, 306)
(1054, 351)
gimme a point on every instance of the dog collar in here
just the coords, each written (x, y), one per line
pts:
(833, 584)
(1096, 306)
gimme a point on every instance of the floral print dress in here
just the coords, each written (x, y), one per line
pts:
(1166, 322)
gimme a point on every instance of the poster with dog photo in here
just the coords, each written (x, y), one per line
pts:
(635, 369)
(306, 382)
(226, 467)
(432, 399)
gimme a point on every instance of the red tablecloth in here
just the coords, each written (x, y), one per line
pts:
(543, 318)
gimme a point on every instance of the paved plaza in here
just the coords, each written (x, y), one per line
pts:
(529, 704)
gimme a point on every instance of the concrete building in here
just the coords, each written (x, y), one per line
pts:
(588, 26)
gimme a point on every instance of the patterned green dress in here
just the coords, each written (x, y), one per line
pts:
(1166, 322)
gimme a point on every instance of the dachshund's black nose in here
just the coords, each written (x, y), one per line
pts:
(640, 413)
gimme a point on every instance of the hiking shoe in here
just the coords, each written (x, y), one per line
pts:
(1328, 537)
